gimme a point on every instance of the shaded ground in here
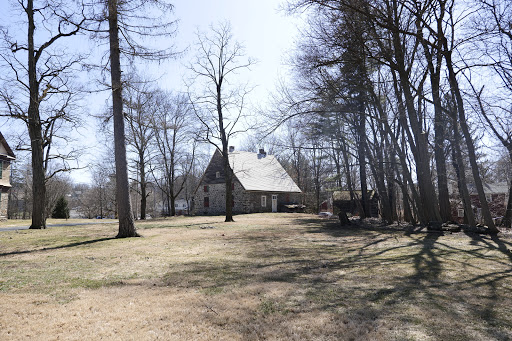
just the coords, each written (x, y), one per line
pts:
(21, 225)
(264, 277)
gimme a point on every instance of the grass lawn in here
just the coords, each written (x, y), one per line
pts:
(49, 222)
(264, 277)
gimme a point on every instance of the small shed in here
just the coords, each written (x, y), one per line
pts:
(342, 201)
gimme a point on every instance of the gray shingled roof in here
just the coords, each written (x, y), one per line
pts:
(495, 188)
(257, 172)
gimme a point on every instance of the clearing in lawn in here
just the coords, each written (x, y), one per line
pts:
(264, 277)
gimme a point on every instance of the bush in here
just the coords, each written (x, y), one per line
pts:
(61, 209)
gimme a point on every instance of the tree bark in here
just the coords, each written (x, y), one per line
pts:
(361, 155)
(126, 223)
(508, 214)
(34, 130)
(143, 185)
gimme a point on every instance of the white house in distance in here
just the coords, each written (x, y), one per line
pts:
(260, 184)
(181, 206)
(6, 157)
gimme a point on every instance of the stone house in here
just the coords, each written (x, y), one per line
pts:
(496, 196)
(260, 184)
(6, 157)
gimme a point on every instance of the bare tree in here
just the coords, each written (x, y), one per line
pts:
(220, 105)
(42, 77)
(140, 105)
(129, 22)
(493, 23)
(174, 132)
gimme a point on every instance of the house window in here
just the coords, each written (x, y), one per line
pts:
(176, 205)
(263, 201)
(217, 175)
(488, 197)
(206, 202)
(460, 213)
(206, 189)
(1, 168)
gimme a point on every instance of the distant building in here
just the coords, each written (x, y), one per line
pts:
(260, 184)
(343, 201)
(496, 196)
(181, 206)
(6, 157)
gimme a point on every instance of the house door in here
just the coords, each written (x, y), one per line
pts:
(274, 202)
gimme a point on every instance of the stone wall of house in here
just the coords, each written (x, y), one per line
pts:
(244, 202)
(4, 202)
(216, 194)
(4, 188)
(6, 173)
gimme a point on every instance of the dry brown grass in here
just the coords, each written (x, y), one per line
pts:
(264, 277)
(27, 222)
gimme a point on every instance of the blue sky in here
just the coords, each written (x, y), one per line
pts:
(267, 33)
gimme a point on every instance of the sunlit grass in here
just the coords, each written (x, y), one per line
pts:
(266, 276)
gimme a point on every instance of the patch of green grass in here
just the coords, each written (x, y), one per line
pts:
(212, 291)
(270, 307)
(89, 283)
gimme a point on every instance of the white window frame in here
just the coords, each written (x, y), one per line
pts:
(263, 201)
(217, 175)
(488, 197)
(460, 213)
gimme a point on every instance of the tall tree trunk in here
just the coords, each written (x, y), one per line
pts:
(428, 206)
(426, 188)
(228, 173)
(361, 154)
(439, 139)
(228, 180)
(350, 185)
(143, 185)
(507, 219)
(34, 130)
(126, 223)
(469, 141)
(508, 214)
(460, 172)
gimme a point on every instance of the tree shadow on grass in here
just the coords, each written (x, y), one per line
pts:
(71, 245)
(425, 282)
(432, 285)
